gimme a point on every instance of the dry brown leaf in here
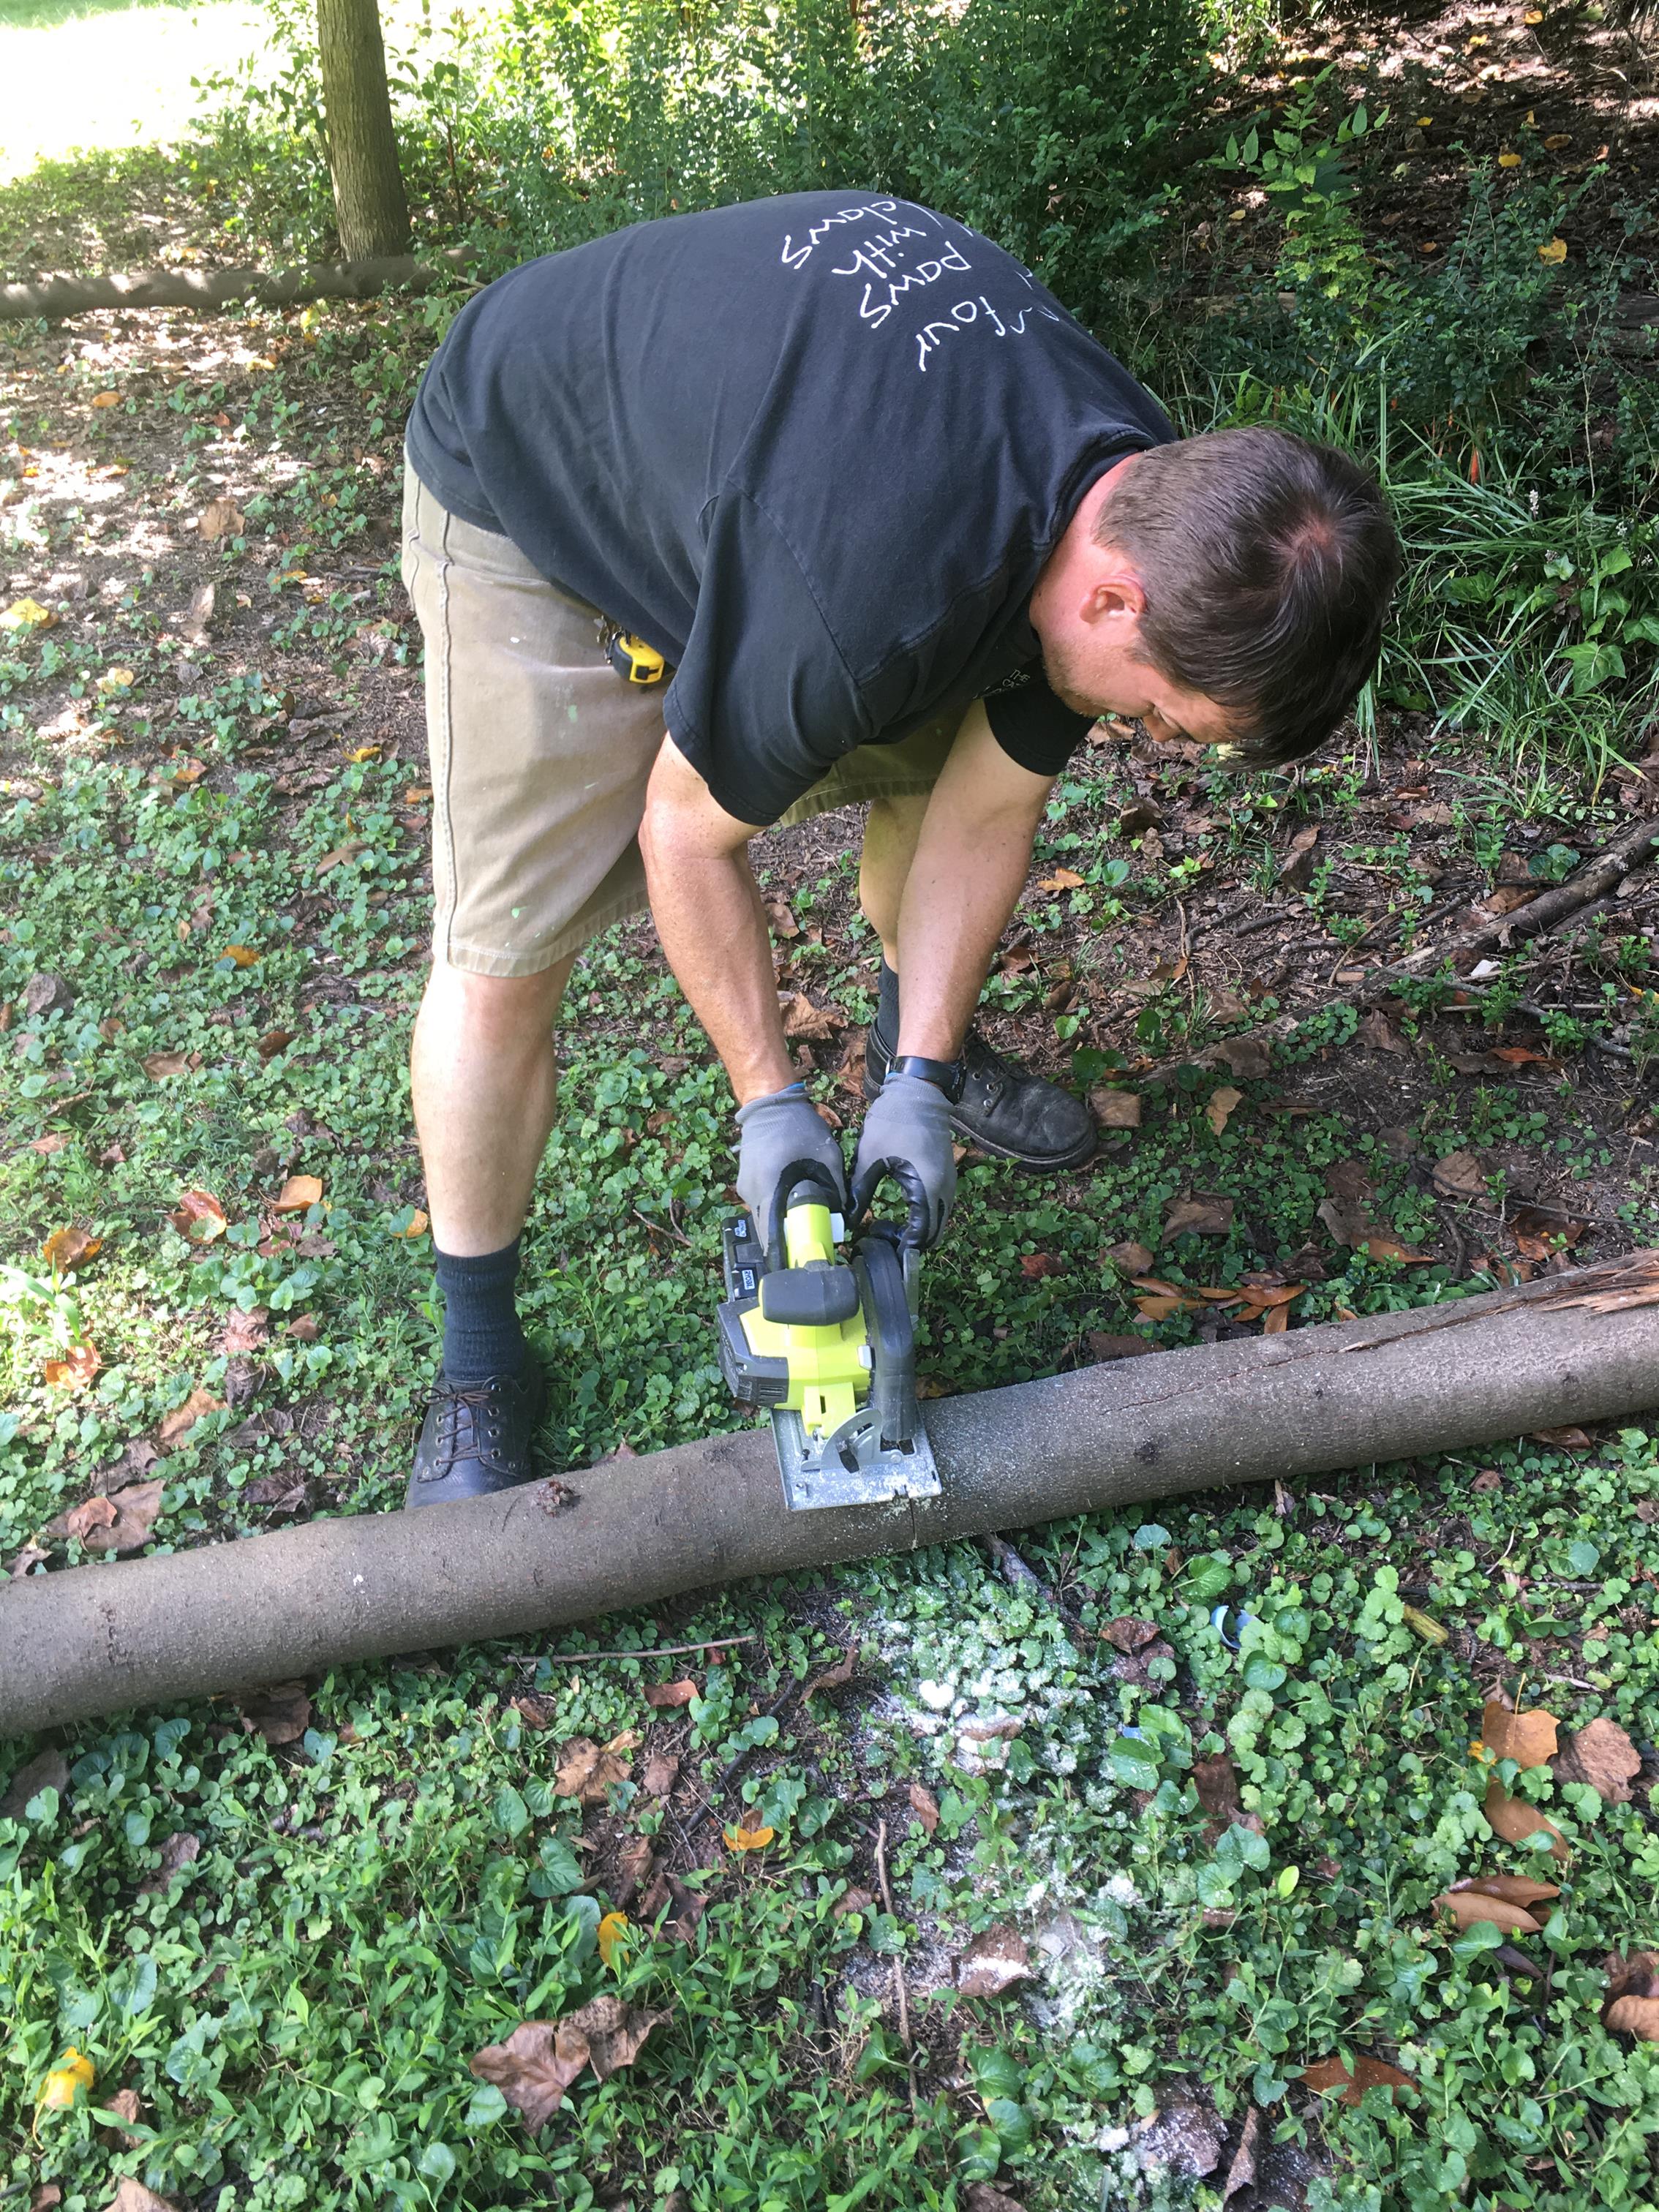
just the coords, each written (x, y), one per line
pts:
(993, 1962)
(1063, 880)
(665, 1695)
(273, 1041)
(1114, 1109)
(55, 1140)
(245, 1332)
(126, 2106)
(588, 1773)
(156, 1065)
(1247, 1058)
(833, 1677)
(1220, 1108)
(298, 1195)
(75, 1368)
(982, 2197)
(809, 1025)
(81, 1521)
(1296, 871)
(1466, 1907)
(131, 2196)
(281, 1713)
(1130, 1258)
(1216, 1781)
(782, 922)
(1035, 1266)
(1103, 1345)
(1240, 2172)
(1513, 1888)
(1275, 1321)
(635, 1865)
(662, 1772)
(1632, 2007)
(178, 1424)
(852, 1900)
(137, 1510)
(924, 1806)
(1527, 1738)
(1377, 1031)
(1127, 1633)
(198, 1217)
(1514, 1819)
(220, 518)
(1633, 2016)
(66, 1250)
(1198, 1217)
(1162, 1307)
(1602, 1755)
(45, 2194)
(179, 1850)
(47, 1769)
(540, 2058)
(1506, 898)
(1461, 1175)
(339, 854)
(1368, 2074)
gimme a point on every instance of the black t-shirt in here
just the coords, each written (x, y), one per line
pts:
(815, 450)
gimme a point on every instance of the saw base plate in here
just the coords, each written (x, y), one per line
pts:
(850, 1465)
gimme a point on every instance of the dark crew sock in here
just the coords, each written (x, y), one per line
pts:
(887, 1010)
(481, 1335)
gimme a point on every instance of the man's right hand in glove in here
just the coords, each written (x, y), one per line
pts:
(777, 1131)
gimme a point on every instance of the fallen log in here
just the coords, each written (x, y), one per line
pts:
(630, 1532)
(55, 296)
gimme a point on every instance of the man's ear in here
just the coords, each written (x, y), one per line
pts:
(1116, 594)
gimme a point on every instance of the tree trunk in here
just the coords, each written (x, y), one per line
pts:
(629, 1533)
(369, 206)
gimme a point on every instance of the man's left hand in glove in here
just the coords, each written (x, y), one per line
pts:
(906, 1132)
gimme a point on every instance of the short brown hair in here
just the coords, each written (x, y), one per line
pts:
(1268, 563)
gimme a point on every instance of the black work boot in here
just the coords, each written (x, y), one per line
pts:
(476, 1438)
(1003, 1110)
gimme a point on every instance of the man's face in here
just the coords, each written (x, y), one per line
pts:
(1086, 611)
(1094, 676)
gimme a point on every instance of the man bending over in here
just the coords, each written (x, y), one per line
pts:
(727, 520)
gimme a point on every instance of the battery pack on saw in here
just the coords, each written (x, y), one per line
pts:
(826, 1347)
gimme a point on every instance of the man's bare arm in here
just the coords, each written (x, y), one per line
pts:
(970, 865)
(711, 925)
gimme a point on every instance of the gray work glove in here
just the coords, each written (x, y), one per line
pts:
(910, 1125)
(776, 1132)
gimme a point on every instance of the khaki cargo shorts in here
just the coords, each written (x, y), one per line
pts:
(541, 753)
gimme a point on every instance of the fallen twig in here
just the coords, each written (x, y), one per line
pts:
(657, 1651)
(885, 1888)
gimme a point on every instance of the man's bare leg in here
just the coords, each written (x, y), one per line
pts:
(485, 1082)
(889, 846)
(485, 1078)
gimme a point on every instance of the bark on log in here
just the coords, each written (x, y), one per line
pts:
(55, 296)
(370, 210)
(95, 1640)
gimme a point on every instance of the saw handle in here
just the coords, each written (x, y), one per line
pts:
(913, 1238)
(825, 1190)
